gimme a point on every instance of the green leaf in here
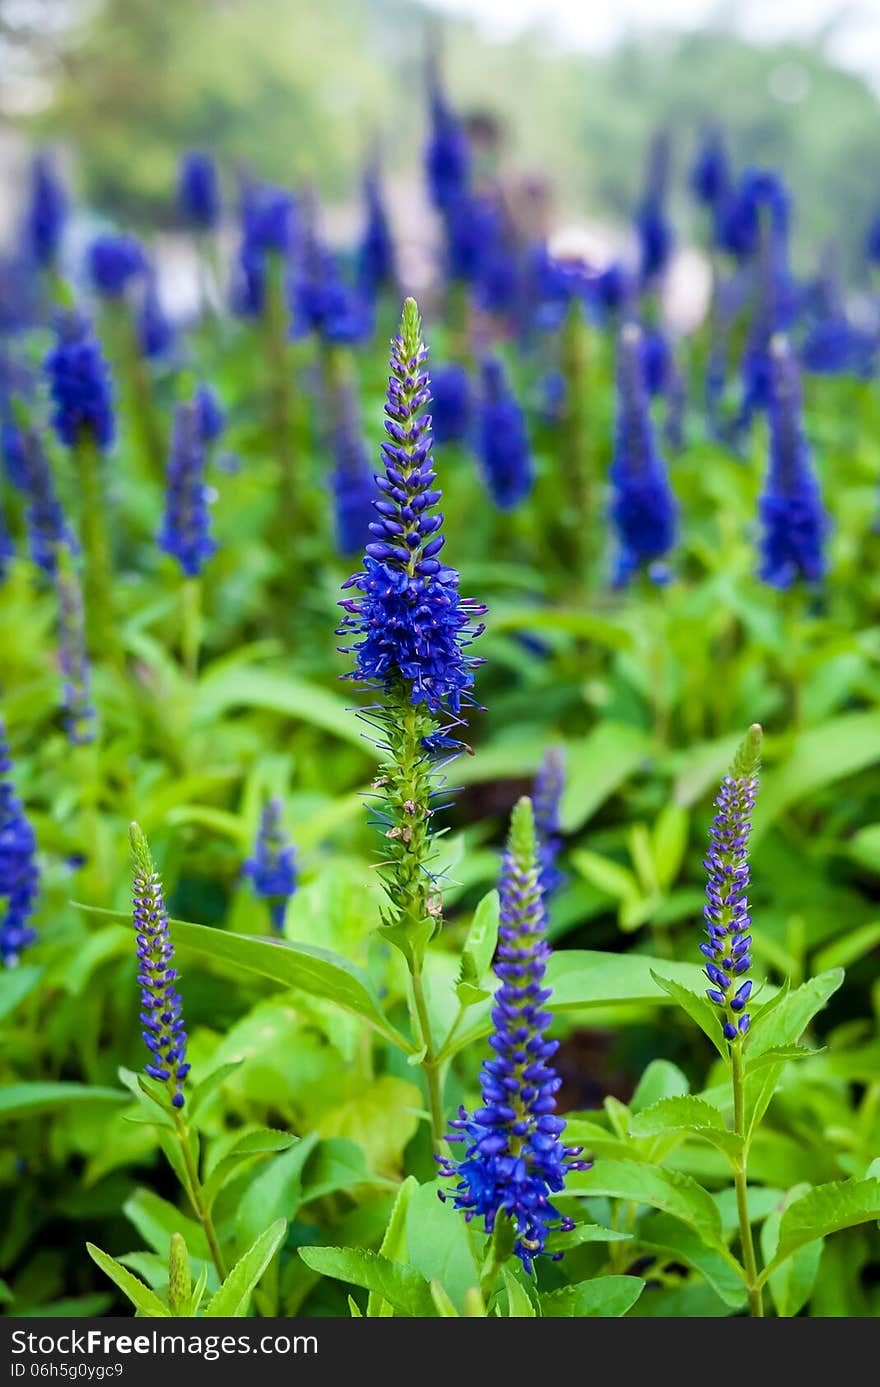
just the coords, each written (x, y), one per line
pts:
(393, 1245)
(234, 1295)
(607, 875)
(778, 1053)
(786, 1021)
(206, 1087)
(792, 1283)
(826, 1209)
(608, 1297)
(582, 978)
(669, 841)
(439, 1244)
(275, 1191)
(15, 985)
(687, 1114)
(402, 1286)
(596, 766)
(519, 1306)
(219, 693)
(443, 1305)
(253, 1144)
(29, 1100)
(850, 947)
(661, 1079)
(668, 1190)
(317, 971)
(697, 1007)
(155, 1219)
(142, 1298)
(479, 946)
(677, 1242)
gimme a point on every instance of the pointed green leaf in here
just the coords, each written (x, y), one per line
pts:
(251, 1146)
(826, 1209)
(519, 1305)
(785, 1022)
(234, 1295)
(30, 1100)
(393, 1245)
(668, 1190)
(402, 1286)
(687, 1114)
(319, 972)
(698, 1008)
(15, 985)
(479, 946)
(791, 1284)
(607, 1297)
(141, 1297)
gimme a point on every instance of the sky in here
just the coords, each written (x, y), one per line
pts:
(852, 26)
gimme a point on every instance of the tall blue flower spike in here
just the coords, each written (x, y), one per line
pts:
(156, 332)
(642, 508)
(44, 515)
(451, 403)
(79, 383)
(376, 269)
(656, 238)
(161, 1005)
(272, 868)
(504, 449)
(412, 624)
(268, 226)
(198, 190)
(546, 800)
(45, 213)
(448, 154)
(409, 631)
(710, 172)
(728, 922)
(793, 520)
(186, 526)
(114, 260)
(514, 1158)
(19, 873)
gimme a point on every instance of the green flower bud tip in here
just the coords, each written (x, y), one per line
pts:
(140, 849)
(179, 1280)
(747, 761)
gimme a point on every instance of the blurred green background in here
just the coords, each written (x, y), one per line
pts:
(298, 90)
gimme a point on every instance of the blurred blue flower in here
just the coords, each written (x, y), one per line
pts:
(376, 270)
(19, 873)
(642, 508)
(114, 260)
(185, 532)
(198, 190)
(793, 520)
(451, 403)
(45, 213)
(79, 383)
(272, 869)
(503, 441)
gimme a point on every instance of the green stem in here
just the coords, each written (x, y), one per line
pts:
(575, 367)
(430, 1062)
(740, 1180)
(191, 626)
(281, 400)
(500, 1249)
(96, 543)
(197, 1197)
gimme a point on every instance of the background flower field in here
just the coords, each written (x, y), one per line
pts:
(658, 447)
